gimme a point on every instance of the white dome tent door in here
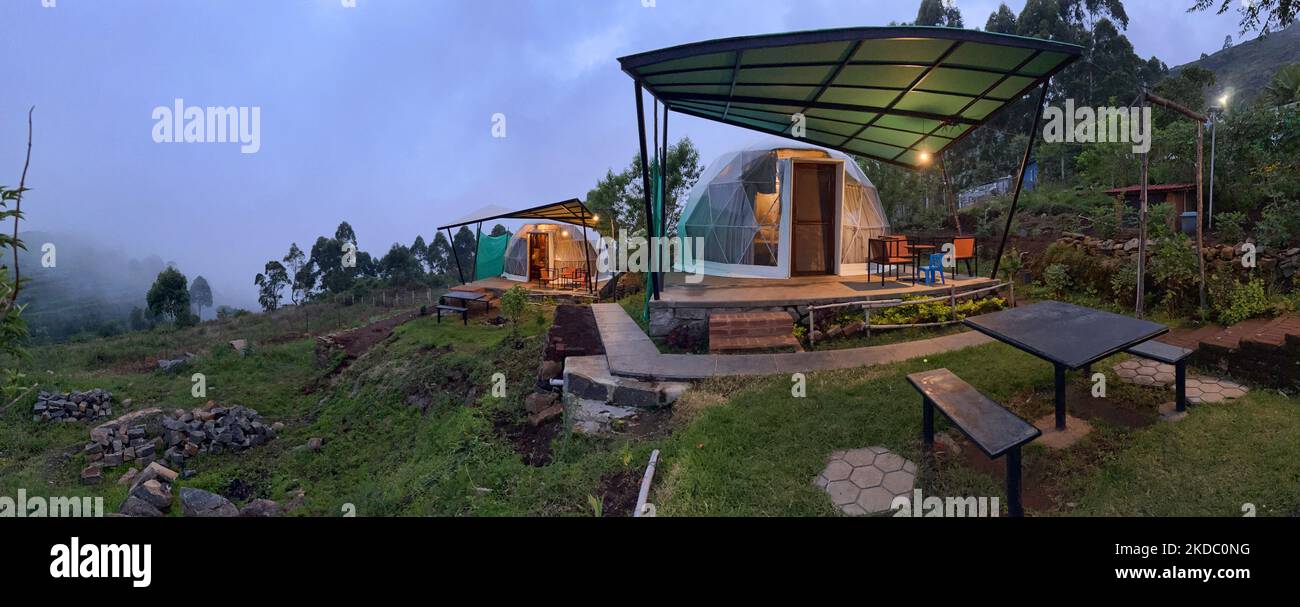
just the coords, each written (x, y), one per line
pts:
(814, 200)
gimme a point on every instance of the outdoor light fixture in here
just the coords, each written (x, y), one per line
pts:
(924, 157)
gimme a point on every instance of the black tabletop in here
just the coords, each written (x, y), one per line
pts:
(1066, 334)
(466, 295)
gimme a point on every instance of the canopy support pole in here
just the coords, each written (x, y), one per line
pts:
(478, 236)
(586, 252)
(645, 178)
(1020, 176)
(663, 181)
(451, 240)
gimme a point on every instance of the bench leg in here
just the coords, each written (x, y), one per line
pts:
(927, 422)
(1180, 385)
(1060, 397)
(439, 315)
(1013, 483)
(464, 317)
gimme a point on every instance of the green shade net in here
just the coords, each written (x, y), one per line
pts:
(901, 95)
(490, 259)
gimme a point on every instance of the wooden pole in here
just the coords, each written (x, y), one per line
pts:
(952, 197)
(1142, 237)
(1200, 211)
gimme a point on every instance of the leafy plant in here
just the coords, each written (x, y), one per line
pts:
(1123, 283)
(1230, 227)
(1056, 278)
(1175, 270)
(1279, 223)
(1243, 302)
(597, 506)
(513, 303)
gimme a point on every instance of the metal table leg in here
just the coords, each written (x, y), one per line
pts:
(1060, 397)
(1013, 484)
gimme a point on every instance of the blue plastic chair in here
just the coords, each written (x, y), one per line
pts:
(935, 267)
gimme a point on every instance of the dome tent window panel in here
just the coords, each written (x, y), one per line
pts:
(516, 263)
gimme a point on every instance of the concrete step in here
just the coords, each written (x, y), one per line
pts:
(588, 377)
(1229, 339)
(1274, 333)
(785, 343)
(751, 331)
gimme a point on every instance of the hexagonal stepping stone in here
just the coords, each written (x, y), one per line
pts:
(866, 481)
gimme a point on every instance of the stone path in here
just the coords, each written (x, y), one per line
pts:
(1200, 389)
(631, 353)
(866, 481)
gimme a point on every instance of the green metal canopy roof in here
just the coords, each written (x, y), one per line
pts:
(887, 93)
(570, 211)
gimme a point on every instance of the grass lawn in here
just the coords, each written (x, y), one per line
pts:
(751, 449)
(412, 428)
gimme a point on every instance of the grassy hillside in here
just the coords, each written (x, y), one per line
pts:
(411, 428)
(1248, 67)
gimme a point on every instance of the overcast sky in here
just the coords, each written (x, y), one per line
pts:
(379, 114)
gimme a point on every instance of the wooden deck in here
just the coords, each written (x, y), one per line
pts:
(718, 292)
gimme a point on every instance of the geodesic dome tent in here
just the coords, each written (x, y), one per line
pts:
(564, 247)
(743, 209)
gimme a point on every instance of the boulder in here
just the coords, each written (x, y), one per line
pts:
(134, 506)
(539, 401)
(200, 503)
(154, 493)
(128, 477)
(260, 508)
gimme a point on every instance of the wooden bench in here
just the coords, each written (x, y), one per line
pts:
(464, 312)
(996, 430)
(1170, 355)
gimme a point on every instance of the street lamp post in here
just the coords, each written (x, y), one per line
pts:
(1214, 121)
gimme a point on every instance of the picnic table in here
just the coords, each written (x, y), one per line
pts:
(1070, 337)
(466, 297)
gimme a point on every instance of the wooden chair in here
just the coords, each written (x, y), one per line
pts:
(963, 249)
(545, 276)
(890, 251)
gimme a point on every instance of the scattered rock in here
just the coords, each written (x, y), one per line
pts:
(134, 506)
(240, 346)
(168, 366)
(314, 443)
(200, 503)
(260, 508)
(546, 415)
(212, 429)
(72, 406)
(539, 401)
(92, 475)
(128, 477)
(155, 494)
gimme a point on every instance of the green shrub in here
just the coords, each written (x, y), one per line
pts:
(1243, 302)
(1279, 224)
(513, 303)
(1230, 227)
(1175, 271)
(1056, 278)
(937, 311)
(1160, 218)
(1123, 283)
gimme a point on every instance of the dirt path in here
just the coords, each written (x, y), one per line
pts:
(356, 342)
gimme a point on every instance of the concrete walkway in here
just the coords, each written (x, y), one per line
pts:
(631, 353)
